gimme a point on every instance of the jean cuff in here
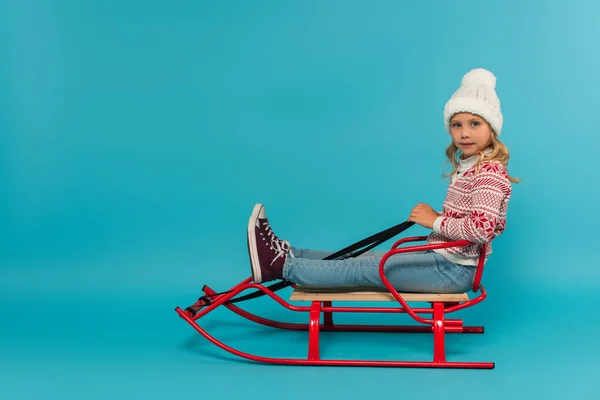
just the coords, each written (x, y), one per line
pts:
(286, 268)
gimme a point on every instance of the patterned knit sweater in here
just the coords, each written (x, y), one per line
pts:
(475, 210)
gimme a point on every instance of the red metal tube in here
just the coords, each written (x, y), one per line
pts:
(313, 330)
(335, 328)
(480, 264)
(327, 315)
(260, 320)
(453, 329)
(393, 252)
(469, 303)
(408, 239)
(244, 286)
(348, 327)
(320, 362)
(218, 296)
(439, 354)
(382, 310)
(343, 327)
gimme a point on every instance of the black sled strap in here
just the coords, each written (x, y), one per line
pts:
(374, 241)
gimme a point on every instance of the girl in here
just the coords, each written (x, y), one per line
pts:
(474, 209)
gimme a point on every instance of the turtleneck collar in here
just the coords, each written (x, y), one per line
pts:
(467, 163)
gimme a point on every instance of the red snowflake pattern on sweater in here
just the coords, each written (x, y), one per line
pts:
(475, 210)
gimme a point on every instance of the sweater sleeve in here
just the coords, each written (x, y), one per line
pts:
(490, 187)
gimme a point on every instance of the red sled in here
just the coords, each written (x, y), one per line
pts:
(321, 310)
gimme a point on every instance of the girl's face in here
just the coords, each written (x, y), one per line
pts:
(470, 133)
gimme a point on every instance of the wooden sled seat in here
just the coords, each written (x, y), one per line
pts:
(303, 293)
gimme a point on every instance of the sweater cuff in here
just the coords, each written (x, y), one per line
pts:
(437, 224)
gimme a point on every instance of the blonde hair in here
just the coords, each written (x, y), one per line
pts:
(499, 152)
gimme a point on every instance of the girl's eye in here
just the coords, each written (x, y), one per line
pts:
(456, 124)
(476, 123)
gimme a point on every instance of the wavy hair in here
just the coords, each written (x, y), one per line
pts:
(499, 152)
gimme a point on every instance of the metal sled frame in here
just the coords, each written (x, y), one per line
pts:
(321, 306)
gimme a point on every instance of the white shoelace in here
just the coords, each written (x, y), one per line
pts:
(281, 247)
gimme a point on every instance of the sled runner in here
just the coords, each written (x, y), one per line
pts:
(434, 319)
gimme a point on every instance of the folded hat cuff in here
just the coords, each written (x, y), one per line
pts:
(492, 115)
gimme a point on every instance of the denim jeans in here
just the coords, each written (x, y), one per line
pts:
(419, 272)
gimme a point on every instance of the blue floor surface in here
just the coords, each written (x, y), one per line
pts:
(88, 343)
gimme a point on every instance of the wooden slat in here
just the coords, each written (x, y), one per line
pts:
(356, 294)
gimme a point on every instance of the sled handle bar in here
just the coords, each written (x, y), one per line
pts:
(395, 250)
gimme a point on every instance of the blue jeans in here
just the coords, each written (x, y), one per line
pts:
(419, 272)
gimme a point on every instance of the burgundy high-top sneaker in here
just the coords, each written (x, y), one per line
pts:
(267, 252)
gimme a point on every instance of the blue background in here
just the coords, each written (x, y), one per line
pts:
(135, 138)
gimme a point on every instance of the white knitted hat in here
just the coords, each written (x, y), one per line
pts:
(476, 95)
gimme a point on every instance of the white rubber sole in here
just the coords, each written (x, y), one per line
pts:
(252, 249)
